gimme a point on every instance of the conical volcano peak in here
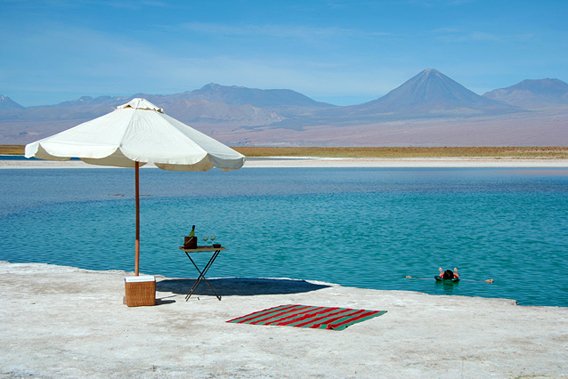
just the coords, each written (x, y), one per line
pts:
(431, 74)
(431, 93)
(430, 71)
(8, 104)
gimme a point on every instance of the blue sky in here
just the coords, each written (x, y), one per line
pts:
(339, 51)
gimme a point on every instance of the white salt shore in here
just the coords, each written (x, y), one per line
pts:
(67, 322)
(404, 162)
(331, 162)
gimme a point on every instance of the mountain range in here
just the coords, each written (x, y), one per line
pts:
(429, 109)
(533, 94)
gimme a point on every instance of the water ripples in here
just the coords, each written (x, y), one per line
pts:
(356, 227)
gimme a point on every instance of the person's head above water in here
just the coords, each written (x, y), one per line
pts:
(448, 274)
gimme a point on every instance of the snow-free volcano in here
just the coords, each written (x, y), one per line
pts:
(432, 94)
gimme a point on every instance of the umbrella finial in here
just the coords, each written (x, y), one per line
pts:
(139, 103)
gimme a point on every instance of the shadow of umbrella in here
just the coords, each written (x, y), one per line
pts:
(240, 286)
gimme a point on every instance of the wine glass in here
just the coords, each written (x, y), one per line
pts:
(205, 238)
(212, 238)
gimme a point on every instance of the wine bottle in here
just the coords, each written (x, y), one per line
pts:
(190, 242)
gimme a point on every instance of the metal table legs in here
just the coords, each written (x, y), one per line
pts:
(202, 275)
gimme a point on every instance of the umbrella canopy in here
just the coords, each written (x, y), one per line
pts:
(138, 132)
(133, 135)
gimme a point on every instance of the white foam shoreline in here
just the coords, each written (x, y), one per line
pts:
(404, 162)
(299, 162)
(67, 322)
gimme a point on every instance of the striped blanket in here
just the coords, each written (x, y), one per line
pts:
(303, 316)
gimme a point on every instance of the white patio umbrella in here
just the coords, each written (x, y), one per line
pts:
(134, 134)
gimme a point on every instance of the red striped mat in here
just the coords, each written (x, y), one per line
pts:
(303, 316)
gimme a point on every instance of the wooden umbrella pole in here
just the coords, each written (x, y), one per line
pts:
(137, 243)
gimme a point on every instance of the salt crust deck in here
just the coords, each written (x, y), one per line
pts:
(333, 162)
(67, 322)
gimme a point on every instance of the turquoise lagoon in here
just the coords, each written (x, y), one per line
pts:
(362, 227)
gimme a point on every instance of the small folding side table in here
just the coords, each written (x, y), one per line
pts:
(200, 249)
